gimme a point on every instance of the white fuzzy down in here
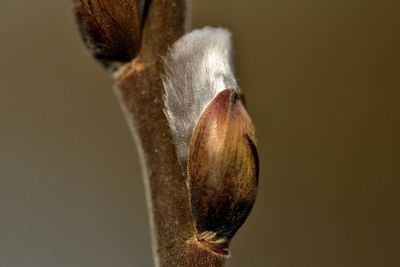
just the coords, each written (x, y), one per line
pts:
(197, 68)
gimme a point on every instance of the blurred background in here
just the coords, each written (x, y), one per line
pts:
(322, 82)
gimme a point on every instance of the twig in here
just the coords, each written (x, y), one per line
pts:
(139, 88)
(198, 149)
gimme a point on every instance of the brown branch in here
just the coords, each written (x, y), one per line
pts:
(139, 88)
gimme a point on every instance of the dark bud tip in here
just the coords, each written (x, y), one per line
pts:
(222, 169)
(110, 29)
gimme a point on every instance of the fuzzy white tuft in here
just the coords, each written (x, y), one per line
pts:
(197, 68)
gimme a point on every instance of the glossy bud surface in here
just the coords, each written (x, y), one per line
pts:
(222, 169)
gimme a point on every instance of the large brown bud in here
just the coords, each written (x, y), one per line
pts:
(222, 170)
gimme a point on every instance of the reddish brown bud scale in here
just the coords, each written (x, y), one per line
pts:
(222, 170)
(110, 29)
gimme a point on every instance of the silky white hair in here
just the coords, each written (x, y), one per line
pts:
(197, 68)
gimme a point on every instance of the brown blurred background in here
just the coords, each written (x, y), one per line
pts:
(322, 81)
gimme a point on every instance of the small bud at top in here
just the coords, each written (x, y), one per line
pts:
(110, 29)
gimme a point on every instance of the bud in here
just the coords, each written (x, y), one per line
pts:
(222, 170)
(110, 29)
(213, 135)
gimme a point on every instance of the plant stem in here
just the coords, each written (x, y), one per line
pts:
(140, 91)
